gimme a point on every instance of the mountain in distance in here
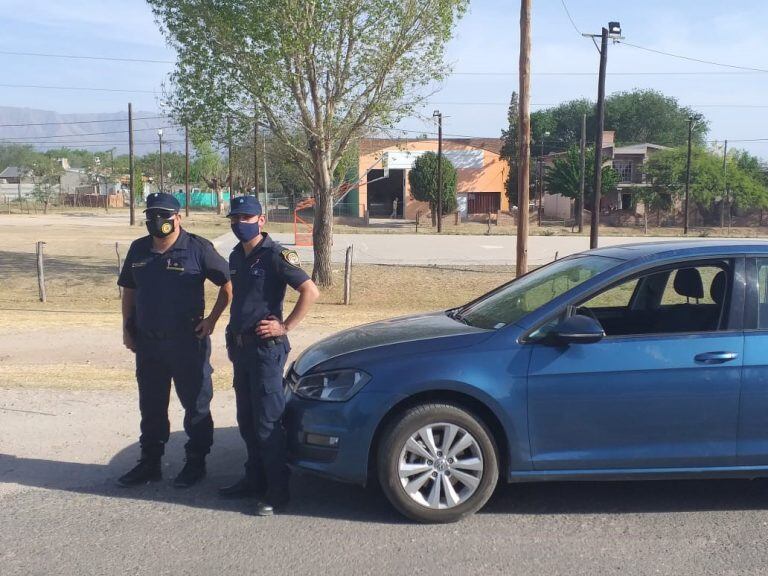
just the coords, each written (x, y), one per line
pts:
(45, 129)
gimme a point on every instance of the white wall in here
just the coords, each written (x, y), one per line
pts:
(557, 207)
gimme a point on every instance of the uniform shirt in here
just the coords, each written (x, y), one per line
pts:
(169, 286)
(258, 283)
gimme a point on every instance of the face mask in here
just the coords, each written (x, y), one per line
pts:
(246, 231)
(161, 227)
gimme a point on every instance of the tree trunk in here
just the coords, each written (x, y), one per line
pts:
(433, 212)
(219, 201)
(45, 208)
(322, 231)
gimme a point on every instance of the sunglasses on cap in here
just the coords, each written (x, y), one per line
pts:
(160, 213)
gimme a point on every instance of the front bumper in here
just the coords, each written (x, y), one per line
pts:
(312, 426)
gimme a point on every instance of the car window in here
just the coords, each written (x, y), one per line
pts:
(762, 292)
(617, 297)
(672, 296)
(528, 293)
(684, 299)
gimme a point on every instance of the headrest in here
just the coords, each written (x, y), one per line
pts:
(717, 290)
(688, 283)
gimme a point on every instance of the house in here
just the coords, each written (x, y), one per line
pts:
(11, 175)
(628, 161)
(384, 165)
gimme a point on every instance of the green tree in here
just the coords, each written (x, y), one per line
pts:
(45, 174)
(328, 69)
(564, 177)
(636, 116)
(509, 149)
(210, 168)
(423, 180)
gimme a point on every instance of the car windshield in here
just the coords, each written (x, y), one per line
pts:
(508, 304)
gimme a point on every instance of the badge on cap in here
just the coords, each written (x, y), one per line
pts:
(292, 257)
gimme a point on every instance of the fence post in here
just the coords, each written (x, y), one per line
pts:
(348, 275)
(418, 216)
(488, 232)
(40, 271)
(119, 266)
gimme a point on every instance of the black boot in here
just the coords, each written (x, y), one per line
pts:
(243, 488)
(147, 470)
(192, 473)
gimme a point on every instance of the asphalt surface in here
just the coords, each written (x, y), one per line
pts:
(61, 513)
(424, 249)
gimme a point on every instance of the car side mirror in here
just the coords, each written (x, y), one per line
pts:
(576, 329)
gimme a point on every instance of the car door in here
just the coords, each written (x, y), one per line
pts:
(663, 396)
(753, 414)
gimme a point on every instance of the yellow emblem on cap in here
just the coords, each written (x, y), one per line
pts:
(166, 228)
(292, 257)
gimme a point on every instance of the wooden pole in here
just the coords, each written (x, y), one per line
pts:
(40, 272)
(186, 171)
(256, 157)
(595, 224)
(580, 203)
(524, 122)
(131, 183)
(439, 172)
(687, 177)
(119, 266)
(348, 275)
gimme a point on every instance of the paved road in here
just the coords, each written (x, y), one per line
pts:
(447, 250)
(61, 513)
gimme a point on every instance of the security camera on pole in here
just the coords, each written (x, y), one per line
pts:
(614, 32)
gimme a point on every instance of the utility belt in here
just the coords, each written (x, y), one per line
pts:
(169, 333)
(250, 338)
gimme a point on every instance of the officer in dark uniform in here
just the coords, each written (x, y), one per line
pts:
(258, 346)
(163, 323)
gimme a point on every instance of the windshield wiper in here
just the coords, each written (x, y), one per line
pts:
(456, 315)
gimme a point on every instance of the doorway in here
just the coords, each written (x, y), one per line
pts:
(383, 192)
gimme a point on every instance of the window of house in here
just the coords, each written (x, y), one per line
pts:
(624, 169)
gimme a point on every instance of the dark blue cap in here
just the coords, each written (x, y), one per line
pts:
(245, 205)
(162, 201)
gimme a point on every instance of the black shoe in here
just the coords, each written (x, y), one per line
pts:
(147, 470)
(243, 488)
(192, 473)
(272, 505)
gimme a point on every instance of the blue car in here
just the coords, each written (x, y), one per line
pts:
(643, 361)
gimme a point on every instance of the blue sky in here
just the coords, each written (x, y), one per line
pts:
(486, 40)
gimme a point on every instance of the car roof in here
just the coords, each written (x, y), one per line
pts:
(683, 247)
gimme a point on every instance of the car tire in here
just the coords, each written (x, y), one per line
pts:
(460, 478)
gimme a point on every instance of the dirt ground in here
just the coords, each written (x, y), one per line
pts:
(74, 339)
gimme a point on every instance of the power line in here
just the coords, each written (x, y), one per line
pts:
(443, 103)
(71, 136)
(37, 86)
(638, 73)
(77, 122)
(570, 17)
(691, 59)
(75, 57)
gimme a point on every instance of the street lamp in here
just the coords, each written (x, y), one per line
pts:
(160, 136)
(614, 32)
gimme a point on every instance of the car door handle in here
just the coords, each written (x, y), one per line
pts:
(715, 357)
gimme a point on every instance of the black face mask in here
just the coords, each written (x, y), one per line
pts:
(161, 227)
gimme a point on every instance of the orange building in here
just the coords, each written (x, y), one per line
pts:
(479, 188)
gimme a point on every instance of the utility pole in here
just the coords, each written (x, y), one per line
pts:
(186, 171)
(266, 183)
(580, 202)
(437, 114)
(524, 138)
(256, 158)
(131, 183)
(613, 31)
(229, 158)
(595, 224)
(725, 187)
(541, 178)
(687, 176)
(160, 135)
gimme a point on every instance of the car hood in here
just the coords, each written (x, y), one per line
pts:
(385, 333)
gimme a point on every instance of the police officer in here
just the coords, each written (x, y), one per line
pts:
(163, 323)
(258, 346)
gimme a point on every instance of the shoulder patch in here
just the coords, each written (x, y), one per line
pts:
(292, 257)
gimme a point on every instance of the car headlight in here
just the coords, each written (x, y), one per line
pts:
(335, 386)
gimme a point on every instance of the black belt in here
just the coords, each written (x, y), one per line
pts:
(165, 334)
(249, 338)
